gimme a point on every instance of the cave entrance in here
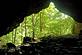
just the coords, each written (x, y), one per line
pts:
(49, 21)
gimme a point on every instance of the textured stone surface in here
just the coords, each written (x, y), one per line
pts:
(50, 46)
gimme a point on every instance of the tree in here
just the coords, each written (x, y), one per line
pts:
(77, 27)
(33, 26)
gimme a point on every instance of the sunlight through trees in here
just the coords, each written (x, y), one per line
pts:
(49, 21)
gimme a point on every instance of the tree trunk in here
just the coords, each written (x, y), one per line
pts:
(25, 27)
(40, 23)
(15, 35)
(77, 28)
(33, 27)
(21, 33)
(12, 36)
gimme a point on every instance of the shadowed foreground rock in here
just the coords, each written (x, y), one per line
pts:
(49, 46)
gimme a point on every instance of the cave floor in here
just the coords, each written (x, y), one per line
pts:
(51, 46)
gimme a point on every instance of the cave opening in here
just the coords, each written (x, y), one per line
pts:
(48, 23)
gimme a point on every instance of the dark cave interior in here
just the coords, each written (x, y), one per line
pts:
(12, 13)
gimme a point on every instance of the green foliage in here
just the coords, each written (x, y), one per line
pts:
(49, 21)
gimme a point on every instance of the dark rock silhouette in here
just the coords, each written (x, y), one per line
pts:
(26, 40)
(49, 46)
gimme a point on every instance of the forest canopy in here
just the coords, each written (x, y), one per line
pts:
(49, 21)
